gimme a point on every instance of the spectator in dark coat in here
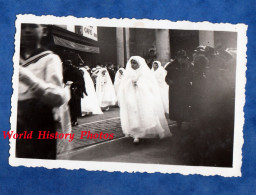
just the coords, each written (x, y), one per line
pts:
(72, 73)
(178, 79)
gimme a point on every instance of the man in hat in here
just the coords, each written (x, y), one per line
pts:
(178, 79)
(72, 73)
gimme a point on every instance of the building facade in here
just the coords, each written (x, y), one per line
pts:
(112, 45)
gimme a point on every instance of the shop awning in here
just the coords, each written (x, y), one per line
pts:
(76, 46)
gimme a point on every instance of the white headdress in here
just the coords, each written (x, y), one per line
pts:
(90, 102)
(141, 107)
(160, 74)
(105, 89)
(118, 79)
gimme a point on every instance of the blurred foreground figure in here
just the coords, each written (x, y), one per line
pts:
(40, 93)
(178, 79)
(89, 103)
(105, 89)
(141, 109)
(160, 74)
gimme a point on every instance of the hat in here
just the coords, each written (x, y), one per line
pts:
(181, 53)
(200, 49)
(68, 62)
(209, 50)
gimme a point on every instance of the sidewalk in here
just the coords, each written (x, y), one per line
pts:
(109, 122)
(187, 146)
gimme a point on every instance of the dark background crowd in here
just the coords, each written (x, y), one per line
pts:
(201, 98)
(202, 95)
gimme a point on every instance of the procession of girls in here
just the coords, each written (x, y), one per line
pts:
(143, 94)
(54, 91)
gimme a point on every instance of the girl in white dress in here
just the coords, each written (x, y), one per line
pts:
(105, 89)
(89, 103)
(141, 108)
(118, 78)
(160, 74)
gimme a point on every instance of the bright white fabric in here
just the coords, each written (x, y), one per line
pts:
(160, 74)
(167, 64)
(65, 119)
(105, 89)
(141, 109)
(43, 76)
(46, 75)
(90, 102)
(118, 79)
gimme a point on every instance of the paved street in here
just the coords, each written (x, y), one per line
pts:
(109, 122)
(189, 145)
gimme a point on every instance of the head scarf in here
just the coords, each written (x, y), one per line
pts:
(90, 102)
(160, 73)
(118, 79)
(141, 106)
(142, 70)
(159, 65)
(118, 75)
(104, 89)
(141, 62)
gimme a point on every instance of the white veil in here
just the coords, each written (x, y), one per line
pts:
(141, 107)
(160, 74)
(105, 89)
(90, 102)
(118, 79)
(160, 71)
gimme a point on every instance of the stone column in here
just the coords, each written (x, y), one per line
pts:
(206, 38)
(127, 44)
(120, 46)
(163, 51)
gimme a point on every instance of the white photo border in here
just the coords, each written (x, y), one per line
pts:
(235, 171)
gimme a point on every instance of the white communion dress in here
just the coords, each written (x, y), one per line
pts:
(118, 79)
(105, 89)
(141, 109)
(89, 103)
(160, 74)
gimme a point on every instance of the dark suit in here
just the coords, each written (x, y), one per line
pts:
(77, 90)
(178, 78)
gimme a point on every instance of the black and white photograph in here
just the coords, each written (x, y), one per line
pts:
(128, 95)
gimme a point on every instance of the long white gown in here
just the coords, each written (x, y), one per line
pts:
(90, 102)
(141, 109)
(160, 74)
(105, 89)
(118, 79)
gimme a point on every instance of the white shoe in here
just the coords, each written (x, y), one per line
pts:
(136, 140)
